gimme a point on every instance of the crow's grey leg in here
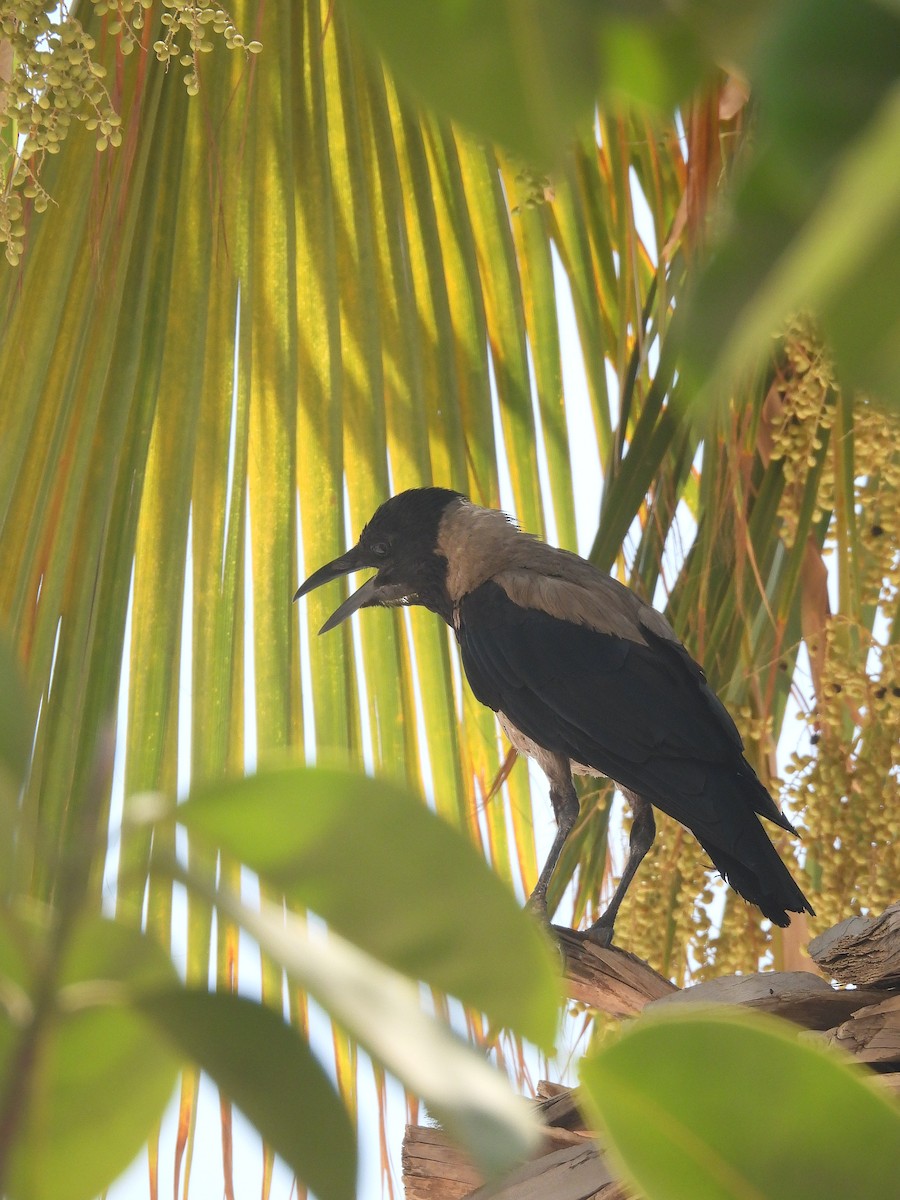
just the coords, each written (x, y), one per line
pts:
(564, 799)
(643, 831)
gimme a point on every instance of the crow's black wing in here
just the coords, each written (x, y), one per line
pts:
(642, 714)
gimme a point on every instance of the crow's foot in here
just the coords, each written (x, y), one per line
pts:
(599, 934)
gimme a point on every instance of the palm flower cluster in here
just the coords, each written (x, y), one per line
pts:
(846, 784)
(49, 79)
(841, 759)
(800, 420)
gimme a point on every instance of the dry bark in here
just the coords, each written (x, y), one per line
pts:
(862, 950)
(572, 1173)
(872, 1034)
(864, 1020)
(797, 996)
(568, 1166)
(609, 980)
(433, 1168)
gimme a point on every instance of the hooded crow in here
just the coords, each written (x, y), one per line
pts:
(584, 677)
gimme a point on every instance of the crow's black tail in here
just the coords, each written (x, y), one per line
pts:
(754, 869)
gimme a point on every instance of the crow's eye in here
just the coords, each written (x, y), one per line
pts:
(380, 549)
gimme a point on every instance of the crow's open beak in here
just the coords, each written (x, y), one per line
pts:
(370, 594)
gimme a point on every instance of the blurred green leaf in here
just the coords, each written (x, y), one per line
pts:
(99, 1075)
(523, 73)
(732, 1107)
(729, 32)
(100, 950)
(846, 262)
(647, 55)
(822, 69)
(527, 73)
(266, 1068)
(382, 1011)
(385, 872)
(816, 216)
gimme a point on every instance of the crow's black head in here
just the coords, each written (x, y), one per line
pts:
(400, 542)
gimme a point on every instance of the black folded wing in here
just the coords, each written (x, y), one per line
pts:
(640, 712)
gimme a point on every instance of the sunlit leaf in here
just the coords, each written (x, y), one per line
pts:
(382, 1011)
(391, 876)
(729, 1107)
